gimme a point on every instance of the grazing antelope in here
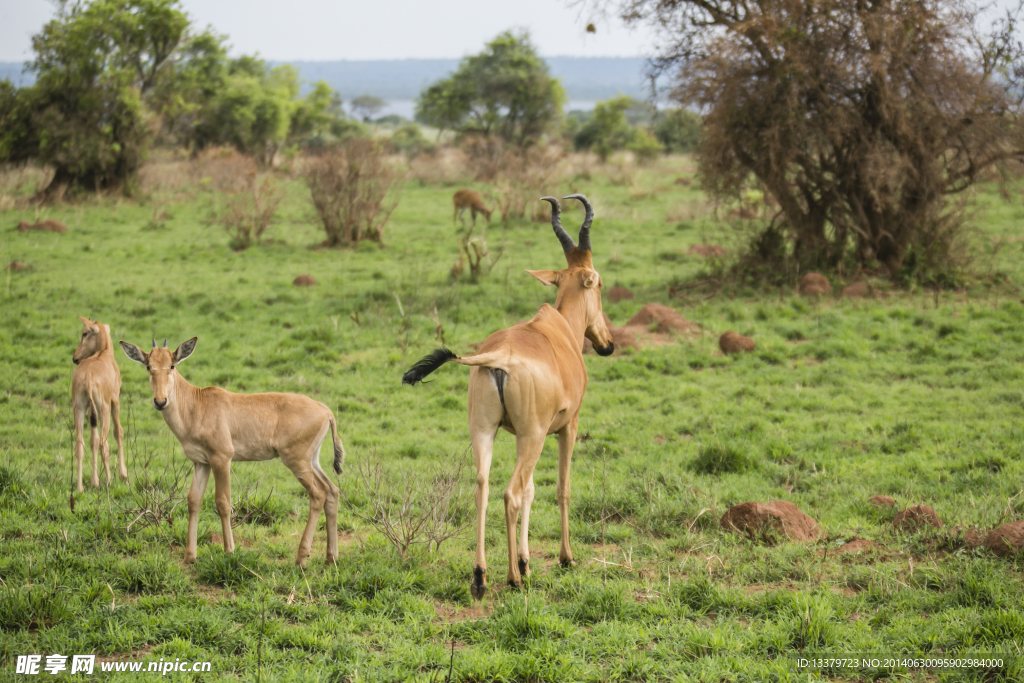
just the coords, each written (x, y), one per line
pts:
(96, 392)
(468, 199)
(216, 427)
(530, 379)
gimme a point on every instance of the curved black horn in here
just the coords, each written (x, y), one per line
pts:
(556, 224)
(154, 342)
(165, 343)
(585, 228)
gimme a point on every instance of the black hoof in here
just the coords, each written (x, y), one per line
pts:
(566, 564)
(515, 586)
(524, 567)
(479, 585)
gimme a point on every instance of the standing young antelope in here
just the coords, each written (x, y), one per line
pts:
(96, 392)
(530, 379)
(468, 199)
(216, 427)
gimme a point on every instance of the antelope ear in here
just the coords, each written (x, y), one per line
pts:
(185, 350)
(590, 280)
(134, 352)
(548, 278)
(84, 321)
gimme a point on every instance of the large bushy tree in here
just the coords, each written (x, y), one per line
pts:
(505, 90)
(860, 118)
(84, 115)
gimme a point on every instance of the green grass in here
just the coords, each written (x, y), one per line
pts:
(917, 395)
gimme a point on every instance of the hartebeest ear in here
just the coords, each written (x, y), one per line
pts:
(548, 278)
(85, 322)
(185, 350)
(134, 352)
(591, 280)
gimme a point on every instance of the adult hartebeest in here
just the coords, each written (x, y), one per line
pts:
(530, 379)
(216, 427)
(468, 199)
(96, 392)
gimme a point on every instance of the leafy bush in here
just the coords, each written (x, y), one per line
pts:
(679, 130)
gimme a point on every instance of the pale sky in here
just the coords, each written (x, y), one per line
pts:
(322, 30)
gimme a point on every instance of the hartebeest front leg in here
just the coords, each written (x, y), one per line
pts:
(566, 441)
(200, 477)
(222, 495)
(528, 448)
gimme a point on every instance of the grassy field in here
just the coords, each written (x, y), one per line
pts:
(917, 395)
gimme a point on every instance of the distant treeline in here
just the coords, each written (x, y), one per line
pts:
(583, 78)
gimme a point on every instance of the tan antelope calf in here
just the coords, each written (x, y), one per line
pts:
(96, 392)
(468, 199)
(530, 379)
(216, 427)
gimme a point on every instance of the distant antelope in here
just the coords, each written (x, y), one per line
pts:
(96, 392)
(530, 379)
(468, 199)
(216, 427)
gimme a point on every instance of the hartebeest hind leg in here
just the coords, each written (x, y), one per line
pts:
(222, 495)
(566, 441)
(104, 427)
(79, 415)
(485, 415)
(528, 448)
(115, 416)
(524, 529)
(322, 494)
(200, 477)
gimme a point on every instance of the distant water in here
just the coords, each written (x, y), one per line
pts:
(407, 108)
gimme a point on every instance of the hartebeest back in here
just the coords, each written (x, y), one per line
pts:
(216, 427)
(96, 392)
(468, 199)
(530, 379)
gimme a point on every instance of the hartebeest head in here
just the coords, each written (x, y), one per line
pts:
(161, 363)
(93, 340)
(579, 285)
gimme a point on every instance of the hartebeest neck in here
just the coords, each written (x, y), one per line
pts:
(574, 310)
(182, 409)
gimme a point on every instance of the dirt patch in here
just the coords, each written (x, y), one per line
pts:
(856, 546)
(18, 266)
(45, 226)
(916, 517)
(814, 284)
(685, 182)
(733, 342)
(665, 318)
(744, 212)
(973, 538)
(617, 294)
(1007, 539)
(304, 281)
(882, 501)
(450, 614)
(706, 250)
(754, 519)
(858, 290)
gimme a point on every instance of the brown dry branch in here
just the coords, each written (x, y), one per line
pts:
(354, 189)
(155, 491)
(409, 510)
(250, 209)
(519, 175)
